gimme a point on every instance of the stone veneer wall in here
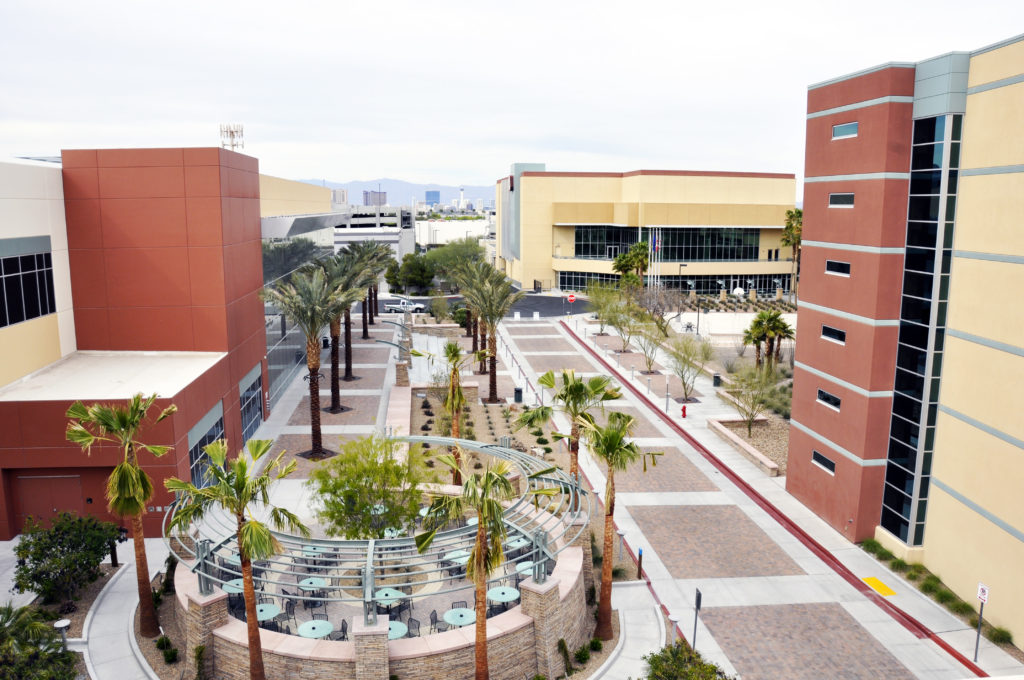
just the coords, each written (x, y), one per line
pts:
(522, 641)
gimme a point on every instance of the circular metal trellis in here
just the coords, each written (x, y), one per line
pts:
(538, 526)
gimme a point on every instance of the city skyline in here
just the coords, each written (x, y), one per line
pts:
(677, 90)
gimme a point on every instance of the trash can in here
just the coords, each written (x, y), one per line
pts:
(327, 342)
(716, 380)
(518, 395)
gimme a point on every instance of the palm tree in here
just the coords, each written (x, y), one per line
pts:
(611, 444)
(484, 493)
(310, 301)
(792, 235)
(129, 488)
(755, 335)
(345, 274)
(375, 257)
(468, 278)
(492, 295)
(777, 328)
(30, 647)
(576, 397)
(454, 398)
(236, 486)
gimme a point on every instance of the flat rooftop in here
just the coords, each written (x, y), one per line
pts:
(91, 376)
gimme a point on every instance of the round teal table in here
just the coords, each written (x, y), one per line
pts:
(392, 532)
(233, 587)
(313, 551)
(388, 596)
(457, 557)
(472, 521)
(378, 509)
(503, 594)
(234, 558)
(397, 629)
(518, 544)
(316, 629)
(424, 511)
(311, 584)
(525, 566)
(265, 612)
(460, 617)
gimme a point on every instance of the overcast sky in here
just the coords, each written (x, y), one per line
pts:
(453, 92)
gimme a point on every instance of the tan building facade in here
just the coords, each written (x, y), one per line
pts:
(712, 230)
(287, 197)
(975, 522)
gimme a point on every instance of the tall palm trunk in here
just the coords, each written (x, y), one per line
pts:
(482, 671)
(469, 323)
(604, 605)
(574, 458)
(149, 626)
(456, 451)
(366, 313)
(483, 346)
(252, 623)
(335, 349)
(757, 354)
(472, 332)
(313, 364)
(373, 304)
(769, 354)
(348, 345)
(492, 393)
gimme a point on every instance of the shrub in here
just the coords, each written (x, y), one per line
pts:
(168, 583)
(158, 597)
(944, 595)
(930, 584)
(425, 427)
(679, 661)
(595, 644)
(884, 555)
(56, 562)
(591, 595)
(547, 449)
(429, 462)
(563, 649)
(425, 405)
(972, 621)
(163, 642)
(582, 654)
(618, 572)
(542, 440)
(469, 433)
(898, 565)
(871, 545)
(198, 653)
(915, 571)
(171, 655)
(1000, 636)
(960, 607)
(477, 465)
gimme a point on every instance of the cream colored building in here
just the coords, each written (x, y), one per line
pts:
(712, 230)
(975, 520)
(287, 197)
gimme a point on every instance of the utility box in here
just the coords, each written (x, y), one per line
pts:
(518, 395)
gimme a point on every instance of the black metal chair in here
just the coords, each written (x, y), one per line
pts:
(344, 629)
(317, 616)
(414, 628)
(460, 604)
(437, 625)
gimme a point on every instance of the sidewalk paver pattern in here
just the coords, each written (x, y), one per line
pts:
(711, 541)
(673, 472)
(800, 642)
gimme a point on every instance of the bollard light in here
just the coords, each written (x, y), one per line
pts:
(63, 626)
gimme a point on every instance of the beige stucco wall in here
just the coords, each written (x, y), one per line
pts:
(287, 197)
(975, 522)
(28, 346)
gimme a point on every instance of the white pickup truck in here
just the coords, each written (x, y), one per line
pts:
(404, 305)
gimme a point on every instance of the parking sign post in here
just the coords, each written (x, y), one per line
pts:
(983, 598)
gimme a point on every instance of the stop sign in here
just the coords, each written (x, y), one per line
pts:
(572, 298)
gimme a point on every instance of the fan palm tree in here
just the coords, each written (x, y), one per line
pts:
(129, 488)
(792, 235)
(468, 278)
(611, 444)
(310, 301)
(30, 647)
(485, 493)
(236, 486)
(576, 397)
(777, 330)
(492, 295)
(754, 335)
(375, 257)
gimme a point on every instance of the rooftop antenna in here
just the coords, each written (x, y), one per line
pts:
(231, 136)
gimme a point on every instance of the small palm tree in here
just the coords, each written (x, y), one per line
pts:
(755, 335)
(779, 331)
(486, 494)
(576, 397)
(235, 487)
(129, 488)
(611, 444)
(30, 647)
(311, 302)
(792, 235)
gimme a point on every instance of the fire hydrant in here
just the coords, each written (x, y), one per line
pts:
(684, 410)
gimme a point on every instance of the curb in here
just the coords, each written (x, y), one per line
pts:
(134, 644)
(614, 656)
(88, 618)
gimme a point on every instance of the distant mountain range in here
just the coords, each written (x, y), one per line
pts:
(401, 192)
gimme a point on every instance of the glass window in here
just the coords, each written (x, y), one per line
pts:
(893, 523)
(919, 259)
(909, 384)
(905, 431)
(922, 234)
(900, 478)
(957, 122)
(840, 200)
(252, 408)
(901, 454)
(927, 157)
(908, 408)
(844, 130)
(926, 182)
(829, 399)
(911, 358)
(917, 284)
(923, 208)
(837, 267)
(198, 461)
(930, 130)
(896, 500)
(914, 335)
(916, 310)
(26, 288)
(833, 334)
(824, 462)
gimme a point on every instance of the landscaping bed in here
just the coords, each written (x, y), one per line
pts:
(83, 601)
(175, 637)
(769, 436)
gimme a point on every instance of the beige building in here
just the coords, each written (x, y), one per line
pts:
(975, 518)
(708, 230)
(287, 197)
